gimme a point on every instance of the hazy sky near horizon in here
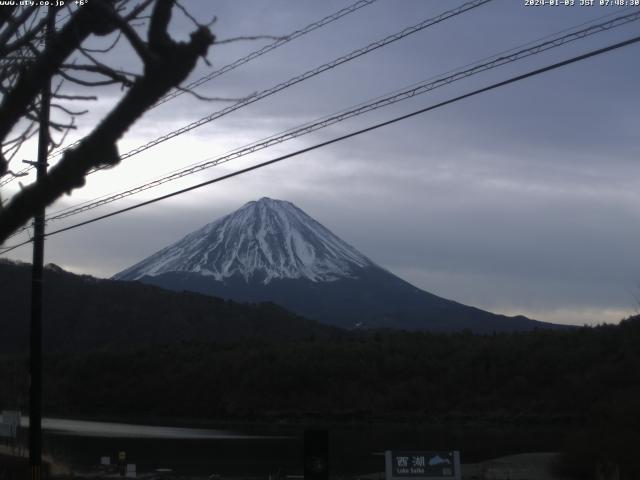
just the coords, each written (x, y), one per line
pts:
(522, 200)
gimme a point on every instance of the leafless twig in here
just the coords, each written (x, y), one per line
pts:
(250, 37)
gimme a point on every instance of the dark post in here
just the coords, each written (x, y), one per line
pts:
(316, 455)
(35, 358)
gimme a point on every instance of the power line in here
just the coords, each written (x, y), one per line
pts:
(497, 60)
(306, 75)
(493, 86)
(272, 46)
(414, 90)
(311, 73)
(251, 56)
(288, 83)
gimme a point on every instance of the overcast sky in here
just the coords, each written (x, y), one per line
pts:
(523, 200)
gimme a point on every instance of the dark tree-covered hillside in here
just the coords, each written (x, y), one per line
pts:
(85, 313)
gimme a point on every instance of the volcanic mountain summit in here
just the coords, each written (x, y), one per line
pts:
(270, 250)
(262, 241)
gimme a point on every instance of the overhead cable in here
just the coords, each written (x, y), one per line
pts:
(306, 75)
(252, 56)
(517, 78)
(414, 90)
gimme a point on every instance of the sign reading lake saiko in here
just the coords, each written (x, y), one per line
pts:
(421, 465)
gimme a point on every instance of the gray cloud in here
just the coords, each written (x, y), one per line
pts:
(522, 200)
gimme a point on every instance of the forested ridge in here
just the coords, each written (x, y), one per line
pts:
(585, 381)
(560, 375)
(83, 313)
(259, 363)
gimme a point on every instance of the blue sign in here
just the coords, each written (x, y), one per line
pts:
(422, 465)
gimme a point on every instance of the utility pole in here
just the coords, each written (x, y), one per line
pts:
(35, 356)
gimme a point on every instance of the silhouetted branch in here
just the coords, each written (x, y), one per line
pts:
(132, 36)
(87, 83)
(74, 97)
(251, 37)
(208, 99)
(117, 76)
(69, 112)
(165, 68)
(106, 49)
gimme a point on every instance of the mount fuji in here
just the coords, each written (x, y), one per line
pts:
(270, 250)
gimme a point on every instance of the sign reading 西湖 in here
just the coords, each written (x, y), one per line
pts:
(422, 465)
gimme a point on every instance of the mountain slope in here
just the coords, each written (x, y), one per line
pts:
(262, 241)
(83, 313)
(270, 250)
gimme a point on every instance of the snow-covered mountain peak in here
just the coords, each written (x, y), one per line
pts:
(263, 240)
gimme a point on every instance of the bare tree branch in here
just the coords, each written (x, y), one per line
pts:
(87, 83)
(106, 49)
(72, 113)
(13, 26)
(118, 76)
(31, 80)
(250, 37)
(18, 174)
(186, 13)
(53, 144)
(135, 13)
(27, 38)
(169, 65)
(211, 99)
(22, 137)
(6, 14)
(74, 97)
(136, 42)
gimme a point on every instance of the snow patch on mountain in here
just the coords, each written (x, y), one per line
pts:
(263, 240)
